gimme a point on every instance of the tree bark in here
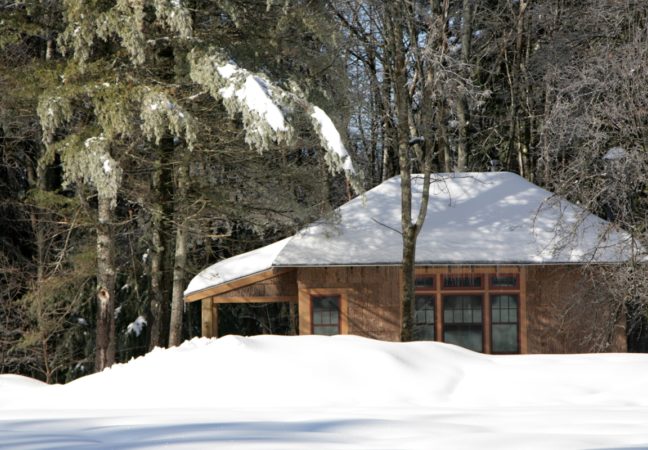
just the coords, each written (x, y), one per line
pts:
(180, 257)
(105, 345)
(156, 253)
(463, 112)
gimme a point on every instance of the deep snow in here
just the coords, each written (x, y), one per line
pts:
(339, 392)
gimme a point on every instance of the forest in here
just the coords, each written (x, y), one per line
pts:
(142, 140)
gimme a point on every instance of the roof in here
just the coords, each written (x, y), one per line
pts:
(472, 218)
(236, 267)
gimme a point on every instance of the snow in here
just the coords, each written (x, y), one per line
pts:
(332, 138)
(473, 218)
(254, 93)
(227, 71)
(615, 153)
(236, 267)
(137, 326)
(341, 392)
(106, 166)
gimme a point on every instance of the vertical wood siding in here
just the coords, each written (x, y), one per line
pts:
(568, 313)
(372, 298)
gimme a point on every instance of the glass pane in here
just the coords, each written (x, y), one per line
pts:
(467, 336)
(462, 281)
(504, 308)
(504, 281)
(424, 282)
(325, 330)
(423, 332)
(326, 316)
(505, 339)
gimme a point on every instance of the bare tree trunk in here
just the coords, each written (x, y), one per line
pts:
(105, 345)
(156, 253)
(463, 112)
(180, 258)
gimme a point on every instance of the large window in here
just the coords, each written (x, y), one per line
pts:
(423, 329)
(326, 314)
(479, 311)
(463, 321)
(504, 334)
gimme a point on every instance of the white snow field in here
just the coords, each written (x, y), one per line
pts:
(341, 392)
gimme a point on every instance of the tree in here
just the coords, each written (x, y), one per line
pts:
(108, 108)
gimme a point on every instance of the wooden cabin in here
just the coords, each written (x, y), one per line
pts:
(499, 269)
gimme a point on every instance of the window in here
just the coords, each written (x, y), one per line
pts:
(504, 328)
(423, 329)
(326, 315)
(504, 281)
(478, 308)
(462, 321)
(462, 281)
(424, 282)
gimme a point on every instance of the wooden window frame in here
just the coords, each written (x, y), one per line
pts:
(312, 311)
(492, 287)
(486, 291)
(482, 301)
(306, 307)
(423, 293)
(444, 276)
(519, 340)
(426, 288)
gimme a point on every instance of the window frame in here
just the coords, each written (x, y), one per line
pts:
(339, 311)
(444, 276)
(481, 324)
(486, 291)
(492, 287)
(432, 295)
(517, 323)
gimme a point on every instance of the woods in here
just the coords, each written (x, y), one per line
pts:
(142, 140)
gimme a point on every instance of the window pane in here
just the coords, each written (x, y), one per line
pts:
(467, 336)
(504, 281)
(462, 281)
(423, 317)
(424, 282)
(463, 321)
(504, 308)
(505, 323)
(325, 330)
(505, 338)
(326, 315)
(423, 333)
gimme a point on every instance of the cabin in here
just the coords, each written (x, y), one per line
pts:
(499, 269)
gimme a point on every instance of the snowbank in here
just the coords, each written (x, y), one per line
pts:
(334, 393)
(342, 372)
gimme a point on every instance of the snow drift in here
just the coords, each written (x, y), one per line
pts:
(340, 371)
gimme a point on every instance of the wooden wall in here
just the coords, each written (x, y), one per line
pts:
(370, 298)
(282, 286)
(567, 313)
(564, 311)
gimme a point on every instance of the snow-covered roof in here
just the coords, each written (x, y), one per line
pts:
(236, 267)
(472, 218)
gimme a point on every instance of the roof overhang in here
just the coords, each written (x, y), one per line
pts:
(223, 288)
